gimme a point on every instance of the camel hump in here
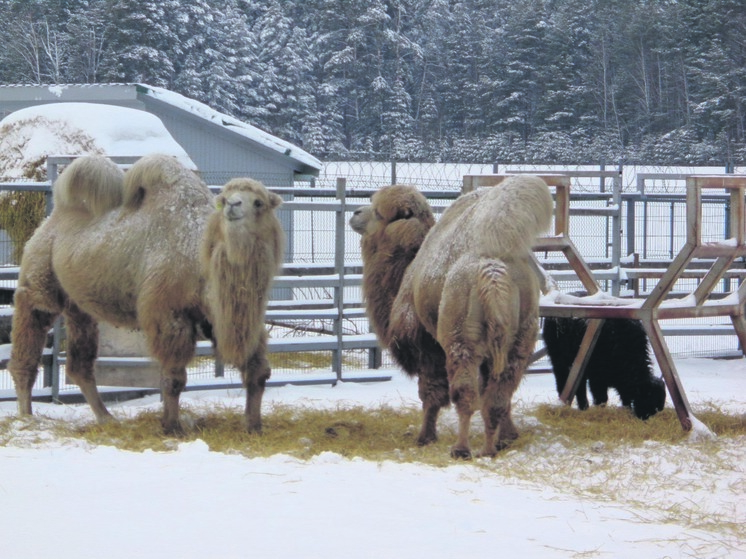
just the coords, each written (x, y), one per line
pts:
(92, 183)
(510, 216)
(152, 174)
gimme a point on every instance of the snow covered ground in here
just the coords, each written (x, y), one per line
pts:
(65, 498)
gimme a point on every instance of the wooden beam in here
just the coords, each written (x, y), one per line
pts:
(592, 332)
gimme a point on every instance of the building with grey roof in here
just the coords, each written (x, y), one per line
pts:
(221, 146)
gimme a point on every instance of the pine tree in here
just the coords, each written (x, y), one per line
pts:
(86, 27)
(719, 71)
(145, 41)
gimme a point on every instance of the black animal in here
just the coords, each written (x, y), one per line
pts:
(620, 360)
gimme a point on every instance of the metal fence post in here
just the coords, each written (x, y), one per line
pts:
(339, 267)
(616, 226)
(52, 171)
(219, 368)
(54, 370)
(630, 211)
(57, 338)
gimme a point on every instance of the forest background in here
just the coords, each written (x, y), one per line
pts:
(420, 80)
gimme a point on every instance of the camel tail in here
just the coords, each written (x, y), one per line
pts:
(92, 183)
(512, 214)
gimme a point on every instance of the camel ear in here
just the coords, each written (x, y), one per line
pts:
(274, 200)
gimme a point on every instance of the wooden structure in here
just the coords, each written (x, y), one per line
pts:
(598, 306)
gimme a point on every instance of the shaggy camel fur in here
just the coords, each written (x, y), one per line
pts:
(126, 249)
(462, 299)
(393, 228)
(241, 253)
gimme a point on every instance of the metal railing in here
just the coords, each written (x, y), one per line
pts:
(313, 299)
(320, 307)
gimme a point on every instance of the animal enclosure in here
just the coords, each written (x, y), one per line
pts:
(319, 332)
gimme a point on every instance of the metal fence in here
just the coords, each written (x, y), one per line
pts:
(318, 330)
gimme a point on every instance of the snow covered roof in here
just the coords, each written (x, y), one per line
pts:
(137, 95)
(33, 133)
(247, 130)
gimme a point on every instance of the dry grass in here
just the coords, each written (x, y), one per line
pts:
(612, 425)
(618, 425)
(721, 423)
(376, 434)
(385, 433)
(20, 215)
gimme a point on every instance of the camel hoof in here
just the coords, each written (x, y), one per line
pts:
(506, 440)
(502, 445)
(105, 419)
(424, 440)
(254, 429)
(172, 428)
(461, 453)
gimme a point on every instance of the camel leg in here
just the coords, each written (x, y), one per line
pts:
(171, 338)
(465, 409)
(255, 375)
(499, 429)
(499, 390)
(82, 349)
(173, 382)
(28, 336)
(433, 391)
(463, 381)
(491, 415)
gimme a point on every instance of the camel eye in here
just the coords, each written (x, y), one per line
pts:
(258, 204)
(378, 215)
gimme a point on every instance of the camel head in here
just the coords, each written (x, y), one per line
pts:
(244, 216)
(399, 213)
(246, 199)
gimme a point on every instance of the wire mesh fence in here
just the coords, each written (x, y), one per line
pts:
(650, 226)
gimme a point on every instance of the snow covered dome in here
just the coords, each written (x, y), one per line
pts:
(28, 136)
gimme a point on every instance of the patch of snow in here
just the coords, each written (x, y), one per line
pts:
(36, 132)
(700, 431)
(56, 90)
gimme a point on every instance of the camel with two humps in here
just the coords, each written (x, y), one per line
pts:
(150, 249)
(457, 301)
